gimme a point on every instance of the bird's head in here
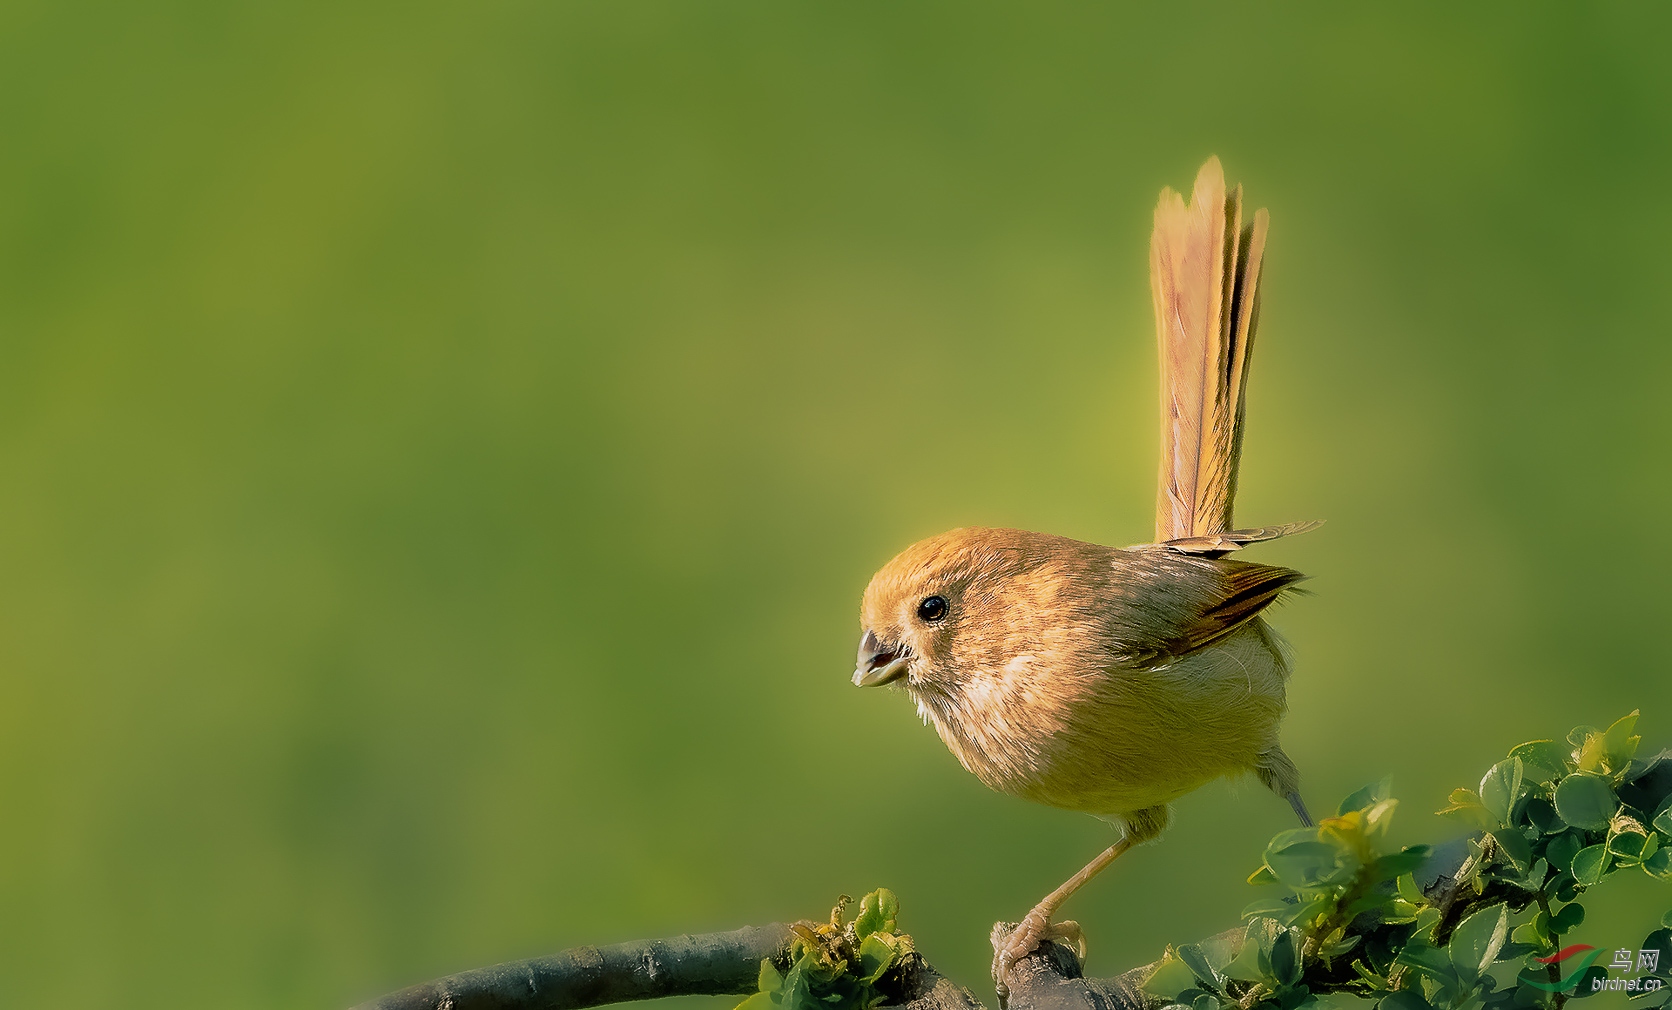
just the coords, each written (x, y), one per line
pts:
(925, 609)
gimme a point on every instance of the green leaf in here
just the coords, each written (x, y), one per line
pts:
(1560, 850)
(1666, 920)
(1592, 757)
(1398, 911)
(1193, 958)
(1465, 805)
(1586, 801)
(1659, 864)
(1542, 760)
(1290, 836)
(1546, 926)
(1541, 813)
(1514, 845)
(1589, 978)
(876, 956)
(1579, 734)
(1262, 876)
(1405, 999)
(1305, 913)
(1378, 816)
(1589, 865)
(1205, 1001)
(759, 1001)
(1409, 890)
(1663, 819)
(1571, 915)
(1285, 959)
(1528, 933)
(793, 992)
(1171, 977)
(1426, 958)
(1370, 795)
(1501, 787)
(1514, 950)
(1404, 861)
(1661, 940)
(1619, 746)
(1476, 941)
(1302, 864)
(1249, 964)
(1334, 1001)
(1275, 907)
(1629, 848)
(878, 911)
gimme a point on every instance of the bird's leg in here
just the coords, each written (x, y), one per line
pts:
(1036, 925)
(1279, 775)
(1300, 810)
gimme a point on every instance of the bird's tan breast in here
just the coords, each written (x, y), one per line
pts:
(1058, 721)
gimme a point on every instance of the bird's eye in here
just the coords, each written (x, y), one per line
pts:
(932, 609)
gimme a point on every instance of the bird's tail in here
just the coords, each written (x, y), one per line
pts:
(1205, 275)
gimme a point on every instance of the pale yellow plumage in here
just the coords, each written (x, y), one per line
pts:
(1079, 675)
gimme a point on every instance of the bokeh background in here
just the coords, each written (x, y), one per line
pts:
(442, 447)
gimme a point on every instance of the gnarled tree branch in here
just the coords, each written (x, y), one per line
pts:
(712, 964)
(720, 964)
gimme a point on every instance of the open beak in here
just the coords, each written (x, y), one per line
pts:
(879, 663)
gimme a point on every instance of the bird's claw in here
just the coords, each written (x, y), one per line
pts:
(1011, 944)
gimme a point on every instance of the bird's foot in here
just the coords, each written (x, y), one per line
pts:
(1011, 944)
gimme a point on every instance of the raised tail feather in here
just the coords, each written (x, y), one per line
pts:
(1205, 276)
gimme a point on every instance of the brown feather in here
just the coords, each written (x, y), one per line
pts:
(1204, 274)
(1186, 264)
(1245, 589)
(1218, 544)
(1213, 459)
(1245, 315)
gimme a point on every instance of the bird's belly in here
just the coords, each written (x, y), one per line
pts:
(1131, 739)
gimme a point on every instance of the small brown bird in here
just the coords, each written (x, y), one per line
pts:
(1114, 680)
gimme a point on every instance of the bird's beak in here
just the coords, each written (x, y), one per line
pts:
(878, 663)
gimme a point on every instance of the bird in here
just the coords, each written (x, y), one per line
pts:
(1115, 680)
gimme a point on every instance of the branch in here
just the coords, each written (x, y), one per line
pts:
(1049, 979)
(721, 964)
(710, 964)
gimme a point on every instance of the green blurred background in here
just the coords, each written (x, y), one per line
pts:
(442, 447)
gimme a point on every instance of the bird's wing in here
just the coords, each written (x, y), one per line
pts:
(1243, 590)
(1204, 275)
(1177, 603)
